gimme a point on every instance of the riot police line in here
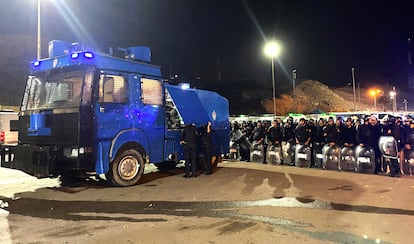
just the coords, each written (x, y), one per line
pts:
(361, 145)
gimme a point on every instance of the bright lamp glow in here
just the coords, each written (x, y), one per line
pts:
(272, 49)
(88, 55)
(75, 55)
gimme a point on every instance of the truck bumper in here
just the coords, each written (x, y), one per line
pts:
(33, 160)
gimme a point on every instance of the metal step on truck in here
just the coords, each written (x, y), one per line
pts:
(87, 113)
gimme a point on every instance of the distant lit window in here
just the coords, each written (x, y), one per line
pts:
(151, 91)
(112, 89)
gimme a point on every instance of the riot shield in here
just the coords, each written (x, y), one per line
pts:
(408, 164)
(317, 154)
(348, 159)
(274, 154)
(288, 151)
(389, 150)
(388, 146)
(331, 156)
(302, 156)
(257, 152)
(234, 151)
(365, 159)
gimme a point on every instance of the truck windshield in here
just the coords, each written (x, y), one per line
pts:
(55, 89)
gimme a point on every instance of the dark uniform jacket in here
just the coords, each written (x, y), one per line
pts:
(189, 134)
(331, 133)
(303, 133)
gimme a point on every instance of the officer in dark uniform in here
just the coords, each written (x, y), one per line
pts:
(275, 133)
(189, 142)
(288, 142)
(259, 135)
(331, 133)
(408, 141)
(318, 141)
(369, 134)
(206, 146)
(348, 134)
(303, 133)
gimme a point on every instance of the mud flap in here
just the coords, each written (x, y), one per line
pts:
(274, 154)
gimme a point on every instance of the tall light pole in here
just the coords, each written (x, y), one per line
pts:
(38, 31)
(272, 50)
(353, 86)
(374, 94)
(294, 89)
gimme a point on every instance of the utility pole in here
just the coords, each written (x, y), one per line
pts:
(405, 105)
(294, 89)
(353, 86)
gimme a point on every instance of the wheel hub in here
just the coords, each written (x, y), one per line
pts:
(128, 168)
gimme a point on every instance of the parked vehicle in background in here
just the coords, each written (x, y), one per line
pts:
(7, 136)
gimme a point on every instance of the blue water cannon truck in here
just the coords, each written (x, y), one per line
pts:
(88, 113)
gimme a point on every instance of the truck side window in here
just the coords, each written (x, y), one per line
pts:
(112, 89)
(151, 91)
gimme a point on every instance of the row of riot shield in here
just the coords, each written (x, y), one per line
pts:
(356, 159)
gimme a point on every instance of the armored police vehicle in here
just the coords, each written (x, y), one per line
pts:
(84, 112)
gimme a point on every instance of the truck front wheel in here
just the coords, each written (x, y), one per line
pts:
(126, 169)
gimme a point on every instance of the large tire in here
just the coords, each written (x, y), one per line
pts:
(126, 169)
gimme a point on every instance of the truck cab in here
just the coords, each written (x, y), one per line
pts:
(85, 112)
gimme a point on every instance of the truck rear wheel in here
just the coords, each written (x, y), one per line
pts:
(127, 168)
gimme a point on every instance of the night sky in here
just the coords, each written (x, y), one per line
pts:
(323, 40)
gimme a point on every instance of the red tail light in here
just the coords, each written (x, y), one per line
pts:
(2, 136)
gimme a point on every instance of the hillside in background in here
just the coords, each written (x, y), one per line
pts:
(313, 95)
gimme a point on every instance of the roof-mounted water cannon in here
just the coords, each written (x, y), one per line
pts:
(59, 48)
(140, 53)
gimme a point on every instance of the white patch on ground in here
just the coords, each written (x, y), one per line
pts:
(11, 183)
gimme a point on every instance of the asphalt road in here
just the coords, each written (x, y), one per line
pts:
(240, 203)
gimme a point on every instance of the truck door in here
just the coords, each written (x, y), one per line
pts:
(110, 117)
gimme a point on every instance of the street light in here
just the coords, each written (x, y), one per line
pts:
(393, 96)
(374, 94)
(272, 50)
(38, 31)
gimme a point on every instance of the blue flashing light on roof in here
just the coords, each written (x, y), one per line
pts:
(184, 86)
(75, 55)
(88, 55)
(36, 63)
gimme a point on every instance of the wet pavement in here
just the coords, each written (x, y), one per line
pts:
(239, 195)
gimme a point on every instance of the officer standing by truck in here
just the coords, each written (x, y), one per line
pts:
(206, 146)
(189, 142)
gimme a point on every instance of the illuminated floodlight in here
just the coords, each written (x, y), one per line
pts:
(184, 86)
(272, 49)
(392, 93)
(88, 54)
(75, 55)
(36, 63)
